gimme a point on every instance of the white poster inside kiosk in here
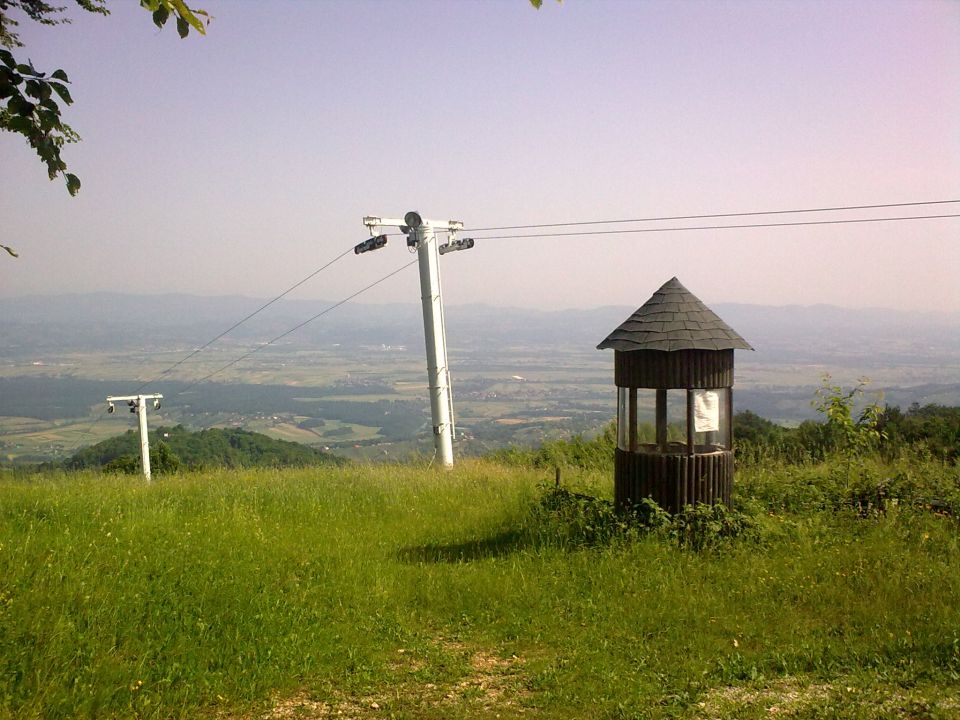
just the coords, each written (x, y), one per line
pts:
(706, 411)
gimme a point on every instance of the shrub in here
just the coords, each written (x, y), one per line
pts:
(574, 520)
(705, 527)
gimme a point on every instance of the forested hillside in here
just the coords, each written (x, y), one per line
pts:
(176, 447)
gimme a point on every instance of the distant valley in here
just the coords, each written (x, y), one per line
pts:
(354, 380)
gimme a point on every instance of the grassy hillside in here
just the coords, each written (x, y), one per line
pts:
(410, 592)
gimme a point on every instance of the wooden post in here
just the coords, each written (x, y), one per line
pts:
(729, 418)
(633, 420)
(556, 478)
(662, 419)
(691, 443)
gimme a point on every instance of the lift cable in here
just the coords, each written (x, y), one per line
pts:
(237, 324)
(89, 428)
(712, 227)
(230, 329)
(296, 327)
(713, 215)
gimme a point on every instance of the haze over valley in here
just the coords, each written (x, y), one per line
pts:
(354, 380)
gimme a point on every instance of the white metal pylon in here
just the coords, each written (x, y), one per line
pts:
(421, 234)
(138, 404)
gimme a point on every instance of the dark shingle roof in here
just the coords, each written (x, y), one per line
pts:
(674, 319)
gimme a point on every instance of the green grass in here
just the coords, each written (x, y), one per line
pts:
(413, 592)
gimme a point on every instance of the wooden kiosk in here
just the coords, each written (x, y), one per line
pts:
(673, 363)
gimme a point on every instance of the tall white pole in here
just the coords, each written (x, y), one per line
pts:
(435, 338)
(421, 234)
(138, 404)
(144, 437)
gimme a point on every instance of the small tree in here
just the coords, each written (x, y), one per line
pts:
(844, 434)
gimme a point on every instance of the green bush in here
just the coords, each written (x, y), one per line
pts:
(706, 527)
(574, 520)
(568, 519)
(866, 486)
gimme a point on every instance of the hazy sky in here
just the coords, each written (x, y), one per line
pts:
(240, 161)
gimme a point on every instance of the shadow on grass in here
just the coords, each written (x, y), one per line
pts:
(499, 545)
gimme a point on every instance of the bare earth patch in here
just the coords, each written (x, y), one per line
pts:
(493, 688)
(780, 698)
(490, 689)
(794, 697)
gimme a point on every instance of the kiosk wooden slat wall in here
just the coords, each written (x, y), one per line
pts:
(674, 342)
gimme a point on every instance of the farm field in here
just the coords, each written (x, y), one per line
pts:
(409, 592)
(356, 382)
(377, 399)
(31, 439)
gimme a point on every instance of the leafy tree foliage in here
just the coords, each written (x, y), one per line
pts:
(162, 461)
(172, 449)
(935, 428)
(30, 99)
(750, 427)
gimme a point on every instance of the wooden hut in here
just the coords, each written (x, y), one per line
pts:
(673, 363)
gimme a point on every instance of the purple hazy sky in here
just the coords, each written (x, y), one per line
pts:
(241, 161)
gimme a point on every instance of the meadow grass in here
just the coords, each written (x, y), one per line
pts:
(412, 592)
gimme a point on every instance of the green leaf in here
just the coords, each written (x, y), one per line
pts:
(18, 106)
(51, 105)
(73, 183)
(19, 125)
(53, 168)
(69, 134)
(7, 59)
(48, 120)
(182, 27)
(9, 77)
(187, 14)
(160, 16)
(62, 91)
(28, 70)
(10, 250)
(38, 89)
(150, 5)
(59, 75)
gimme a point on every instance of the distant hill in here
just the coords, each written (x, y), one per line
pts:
(215, 447)
(108, 321)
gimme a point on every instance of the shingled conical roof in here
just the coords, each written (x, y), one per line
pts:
(674, 319)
